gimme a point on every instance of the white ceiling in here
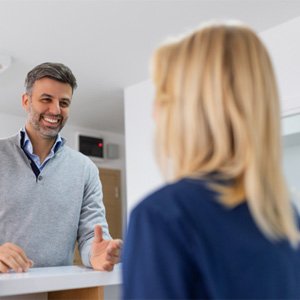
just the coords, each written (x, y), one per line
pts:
(107, 44)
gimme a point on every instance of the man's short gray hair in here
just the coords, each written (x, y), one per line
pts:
(55, 71)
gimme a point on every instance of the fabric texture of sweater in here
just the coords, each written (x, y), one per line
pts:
(183, 244)
(45, 215)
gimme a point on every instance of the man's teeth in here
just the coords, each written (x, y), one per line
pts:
(53, 121)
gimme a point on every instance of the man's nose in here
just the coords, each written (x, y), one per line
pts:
(54, 108)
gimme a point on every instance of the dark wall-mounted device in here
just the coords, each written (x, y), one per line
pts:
(91, 146)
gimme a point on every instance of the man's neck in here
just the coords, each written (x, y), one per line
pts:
(41, 146)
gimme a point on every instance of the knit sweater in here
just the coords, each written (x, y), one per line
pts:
(45, 215)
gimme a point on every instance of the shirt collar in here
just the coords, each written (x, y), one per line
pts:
(26, 143)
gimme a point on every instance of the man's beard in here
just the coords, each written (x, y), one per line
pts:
(36, 120)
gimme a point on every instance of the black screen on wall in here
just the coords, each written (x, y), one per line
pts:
(91, 146)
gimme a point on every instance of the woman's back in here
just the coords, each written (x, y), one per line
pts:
(217, 119)
(191, 246)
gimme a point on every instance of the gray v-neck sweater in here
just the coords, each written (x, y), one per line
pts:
(45, 215)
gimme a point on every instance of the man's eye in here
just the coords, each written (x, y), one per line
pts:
(46, 99)
(64, 104)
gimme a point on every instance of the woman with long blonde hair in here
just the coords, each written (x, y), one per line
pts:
(224, 226)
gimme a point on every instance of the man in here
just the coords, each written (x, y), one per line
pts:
(51, 195)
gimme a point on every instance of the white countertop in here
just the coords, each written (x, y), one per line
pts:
(38, 280)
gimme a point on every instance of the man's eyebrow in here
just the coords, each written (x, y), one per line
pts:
(46, 95)
(50, 96)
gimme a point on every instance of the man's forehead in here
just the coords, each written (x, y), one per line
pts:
(51, 87)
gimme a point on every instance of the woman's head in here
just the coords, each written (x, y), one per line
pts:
(216, 99)
(217, 111)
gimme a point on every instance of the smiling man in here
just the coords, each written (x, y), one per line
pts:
(51, 195)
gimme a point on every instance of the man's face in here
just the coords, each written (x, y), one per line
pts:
(47, 107)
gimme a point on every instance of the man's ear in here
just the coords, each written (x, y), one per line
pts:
(25, 101)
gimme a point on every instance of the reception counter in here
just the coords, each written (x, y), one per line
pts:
(70, 282)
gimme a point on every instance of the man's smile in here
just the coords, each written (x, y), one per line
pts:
(51, 119)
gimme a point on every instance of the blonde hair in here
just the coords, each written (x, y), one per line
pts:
(219, 117)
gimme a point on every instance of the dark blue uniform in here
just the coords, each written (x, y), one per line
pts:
(183, 244)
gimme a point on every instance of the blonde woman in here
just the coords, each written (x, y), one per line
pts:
(224, 226)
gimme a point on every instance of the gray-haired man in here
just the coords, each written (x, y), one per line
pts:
(51, 195)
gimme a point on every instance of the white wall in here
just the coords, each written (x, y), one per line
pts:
(292, 170)
(10, 124)
(283, 44)
(142, 174)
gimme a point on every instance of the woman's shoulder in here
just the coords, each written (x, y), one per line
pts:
(174, 198)
(183, 188)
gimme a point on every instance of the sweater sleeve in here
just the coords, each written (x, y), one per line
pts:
(157, 259)
(92, 213)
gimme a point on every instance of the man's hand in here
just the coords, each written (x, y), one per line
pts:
(13, 257)
(104, 253)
